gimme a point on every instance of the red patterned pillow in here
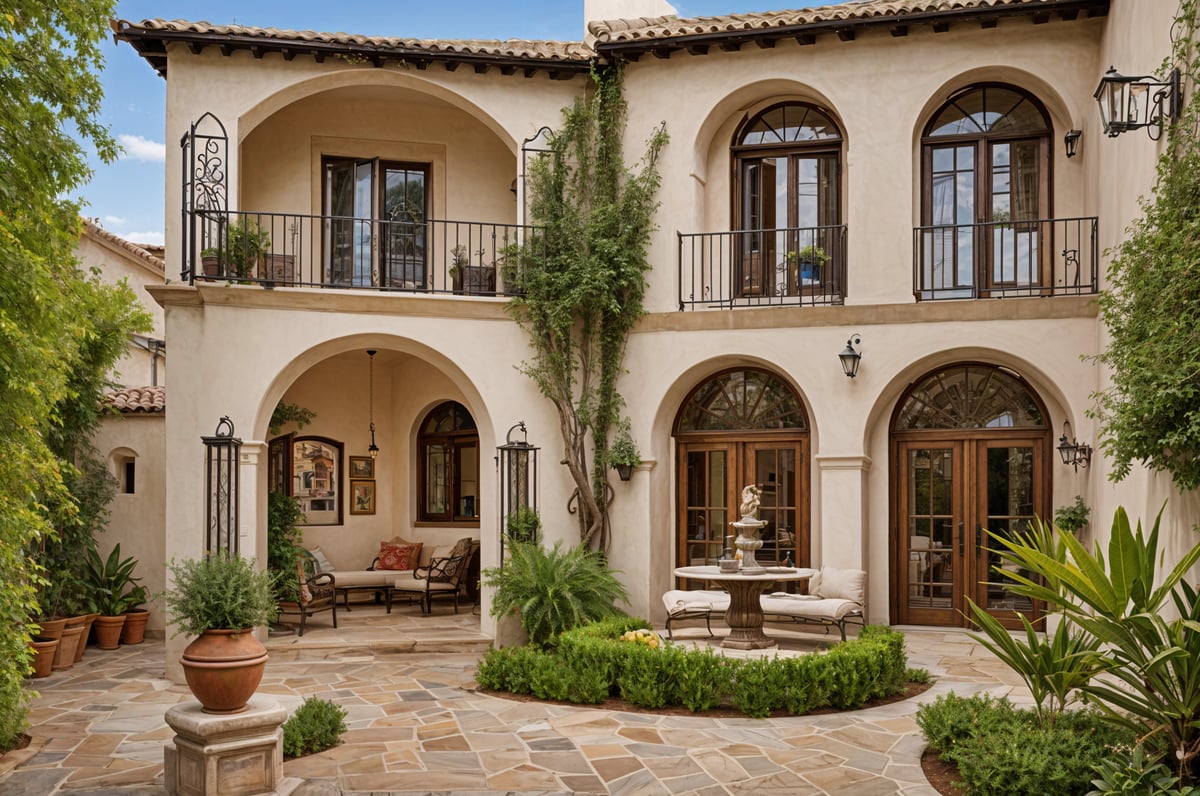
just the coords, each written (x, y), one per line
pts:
(398, 556)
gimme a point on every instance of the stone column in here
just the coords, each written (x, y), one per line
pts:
(842, 537)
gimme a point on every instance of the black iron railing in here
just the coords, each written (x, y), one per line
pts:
(1006, 259)
(297, 250)
(762, 267)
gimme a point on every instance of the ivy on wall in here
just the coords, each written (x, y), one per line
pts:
(1151, 413)
(581, 280)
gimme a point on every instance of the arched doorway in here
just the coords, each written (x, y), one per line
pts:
(969, 454)
(743, 426)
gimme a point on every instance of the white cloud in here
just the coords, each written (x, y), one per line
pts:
(115, 220)
(144, 238)
(139, 148)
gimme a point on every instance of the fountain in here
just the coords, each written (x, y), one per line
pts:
(748, 528)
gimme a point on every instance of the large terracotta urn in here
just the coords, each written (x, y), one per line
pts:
(223, 668)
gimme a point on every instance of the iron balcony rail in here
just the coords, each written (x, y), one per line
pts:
(1006, 259)
(297, 250)
(790, 266)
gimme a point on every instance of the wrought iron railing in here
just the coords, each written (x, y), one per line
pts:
(297, 250)
(1006, 259)
(762, 267)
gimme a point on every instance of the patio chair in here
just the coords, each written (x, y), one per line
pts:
(444, 577)
(317, 592)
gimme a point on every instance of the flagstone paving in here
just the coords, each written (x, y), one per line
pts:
(417, 726)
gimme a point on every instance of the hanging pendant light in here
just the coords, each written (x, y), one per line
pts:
(373, 450)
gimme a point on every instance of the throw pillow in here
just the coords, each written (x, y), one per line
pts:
(398, 556)
(842, 584)
(323, 562)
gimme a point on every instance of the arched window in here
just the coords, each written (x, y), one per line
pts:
(985, 195)
(969, 396)
(740, 427)
(788, 167)
(448, 465)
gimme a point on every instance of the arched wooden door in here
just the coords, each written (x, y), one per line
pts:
(742, 427)
(969, 455)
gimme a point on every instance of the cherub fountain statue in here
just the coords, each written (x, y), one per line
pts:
(748, 528)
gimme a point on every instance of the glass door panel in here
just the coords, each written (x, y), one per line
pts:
(437, 474)
(706, 502)
(1015, 188)
(404, 232)
(466, 471)
(1008, 504)
(950, 249)
(774, 470)
(932, 521)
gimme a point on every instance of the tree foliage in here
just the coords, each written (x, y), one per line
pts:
(581, 277)
(49, 104)
(1151, 413)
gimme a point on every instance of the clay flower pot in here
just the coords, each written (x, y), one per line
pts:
(223, 668)
(89, 620)
(108, 631)
(72, 635)
(134, 631)
(43, 649)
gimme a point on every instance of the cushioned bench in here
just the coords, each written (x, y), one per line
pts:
(375, 578)
(835, 599)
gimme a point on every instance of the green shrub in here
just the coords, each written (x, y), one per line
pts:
(921, 676)
(1132, 773)
(507, 669)
(641, 679)
(316, 725)
(700, 678)
(757, 686)
(1004, 751)
(808, 683)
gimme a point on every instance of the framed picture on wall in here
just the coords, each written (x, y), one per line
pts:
(362, 467)
(362, 496)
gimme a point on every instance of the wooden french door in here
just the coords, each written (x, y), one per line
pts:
(712, 474)
(950, 491)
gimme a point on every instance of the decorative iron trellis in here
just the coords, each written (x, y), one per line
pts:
(205, 190)
(222, 486)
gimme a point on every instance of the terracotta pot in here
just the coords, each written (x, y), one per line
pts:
(108, 631)
(52, 628)
(83, 639)
(134, 631)
(64, 656)
(223, 668)
(43, 649)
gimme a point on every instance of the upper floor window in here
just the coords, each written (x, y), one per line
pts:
(787, 203)
(985, 195)
(376, 228)
(448, 467)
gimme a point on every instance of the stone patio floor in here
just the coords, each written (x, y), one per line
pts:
(417, 726)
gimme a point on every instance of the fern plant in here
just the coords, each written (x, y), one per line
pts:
(554, 590)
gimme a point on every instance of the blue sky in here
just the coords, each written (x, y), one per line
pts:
(128, 196)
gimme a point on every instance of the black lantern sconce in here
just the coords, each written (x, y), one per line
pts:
(372, 449)
(1071, 142)
(1073, 452)
(851, 356)
(516, 461)
(1129, 103)
(222, 452)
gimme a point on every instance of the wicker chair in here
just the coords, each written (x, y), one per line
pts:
(317, 592)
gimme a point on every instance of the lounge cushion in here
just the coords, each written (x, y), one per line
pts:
(680, 603)
(839, 584)
(323, 562)
(361, 577)
(807, 606)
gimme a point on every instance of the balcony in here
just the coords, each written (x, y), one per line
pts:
(296, 250)
(791, 266)
(1006, 259)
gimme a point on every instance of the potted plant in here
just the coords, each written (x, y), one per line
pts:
(622, 454)
(523, 525)
(808, 263)
(106, 582)
(471, 278)
(1072, 518)
(220, 599)
(240, 247)
(136, 616)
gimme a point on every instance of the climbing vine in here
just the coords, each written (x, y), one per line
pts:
(581, 280)
(1151, 412)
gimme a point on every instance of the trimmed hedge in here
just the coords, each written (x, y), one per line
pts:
(590, 664)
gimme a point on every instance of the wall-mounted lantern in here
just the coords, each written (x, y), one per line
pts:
(1073, 452)
(850, 356)
(1129, 103)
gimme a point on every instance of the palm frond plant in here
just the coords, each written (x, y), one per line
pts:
(554, 590)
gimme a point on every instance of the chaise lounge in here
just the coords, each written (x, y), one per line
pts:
(835, 599)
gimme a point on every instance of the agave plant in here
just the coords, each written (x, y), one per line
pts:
(554, 590)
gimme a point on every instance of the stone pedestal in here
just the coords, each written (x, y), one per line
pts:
(238, 754)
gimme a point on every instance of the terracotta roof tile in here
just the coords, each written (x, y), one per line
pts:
(658, 28)
(138, 400)
(512, 48)
(97, 231)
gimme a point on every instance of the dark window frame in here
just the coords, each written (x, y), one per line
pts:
(458, 438)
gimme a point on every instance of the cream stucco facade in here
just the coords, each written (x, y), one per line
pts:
(239, 349)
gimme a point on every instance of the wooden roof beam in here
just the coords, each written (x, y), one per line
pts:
(845, 34)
